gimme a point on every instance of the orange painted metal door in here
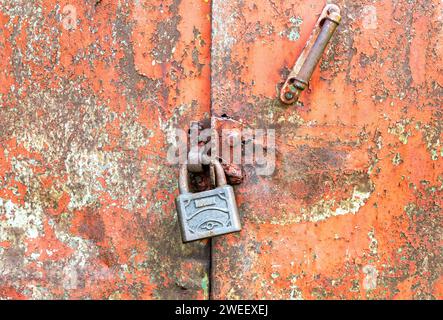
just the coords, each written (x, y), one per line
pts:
(354, 207)
(92, 91)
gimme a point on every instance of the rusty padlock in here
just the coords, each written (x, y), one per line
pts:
(209, 213)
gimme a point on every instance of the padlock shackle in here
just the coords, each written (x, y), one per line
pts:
(219, 173)
(183, 182)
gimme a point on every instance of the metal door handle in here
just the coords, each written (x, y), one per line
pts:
(300, 75)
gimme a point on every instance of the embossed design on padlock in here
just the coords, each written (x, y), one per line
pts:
(209, 213)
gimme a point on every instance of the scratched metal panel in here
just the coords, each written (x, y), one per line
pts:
(90, 92)
(354, 207)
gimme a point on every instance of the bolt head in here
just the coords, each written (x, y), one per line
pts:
(289, 95)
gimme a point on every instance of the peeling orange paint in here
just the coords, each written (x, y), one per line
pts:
(353, 210)
(86, 195)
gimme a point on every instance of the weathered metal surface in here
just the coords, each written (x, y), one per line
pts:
(90, 93)
(354, 208)
(225, 129)
(301, 73)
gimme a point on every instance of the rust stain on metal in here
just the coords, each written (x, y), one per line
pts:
(90, 91)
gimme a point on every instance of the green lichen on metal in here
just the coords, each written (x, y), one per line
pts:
(400, 129)
(397, 160)
(205, 284)
(293, 32)
(432, 135)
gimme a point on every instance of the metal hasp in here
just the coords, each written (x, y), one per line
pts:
(300, 75)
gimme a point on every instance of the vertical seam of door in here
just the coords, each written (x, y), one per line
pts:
(210, 266)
